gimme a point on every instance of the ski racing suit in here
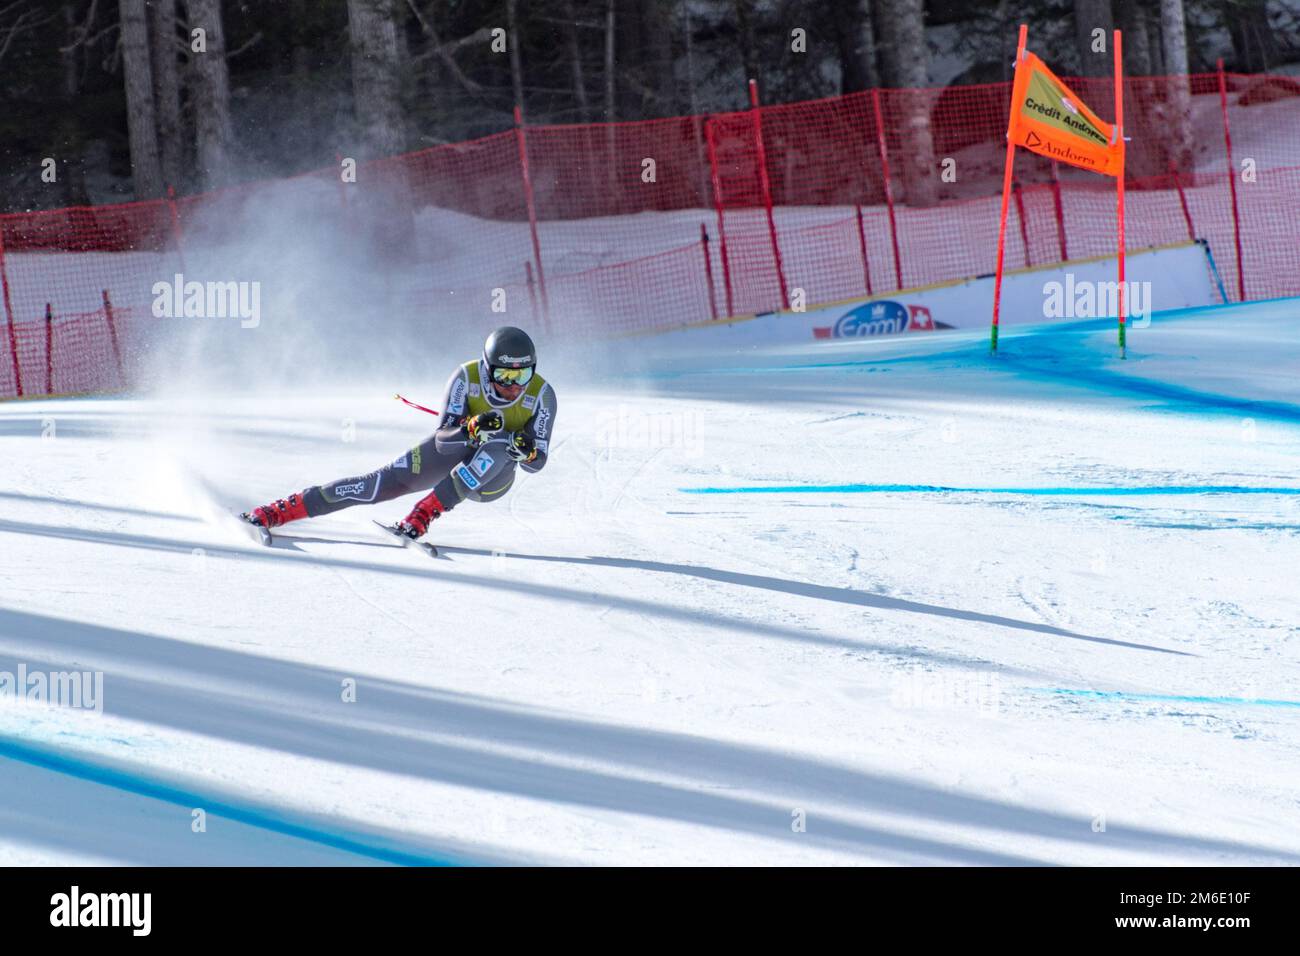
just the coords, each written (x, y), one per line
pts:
(447, 461)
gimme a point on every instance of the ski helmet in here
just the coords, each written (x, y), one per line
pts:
(509, 356)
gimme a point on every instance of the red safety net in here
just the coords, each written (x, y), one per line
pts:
(607, 229)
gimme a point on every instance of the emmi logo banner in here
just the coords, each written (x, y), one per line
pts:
(883, 317)
(133, 910)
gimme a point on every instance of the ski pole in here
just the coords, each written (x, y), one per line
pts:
(414, 405)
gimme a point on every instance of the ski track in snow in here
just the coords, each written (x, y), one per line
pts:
(978, 606)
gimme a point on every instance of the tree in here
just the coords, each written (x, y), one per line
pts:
(1137, 45)
(71, 136)
(1173, 34)
(657, 64)
(146, 168)
(210, 85)
(575, 60)
(387, 224)
(1155, 52)
(1141, 111)
(1253, 43)
(905, 60)
(610, 86)
(376, 76)
(643, 40)
(1095, 58)
(857, 45)
(167, 88)
(745, 37)
(516, 53)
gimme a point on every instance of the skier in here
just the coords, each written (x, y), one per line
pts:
(496, 413)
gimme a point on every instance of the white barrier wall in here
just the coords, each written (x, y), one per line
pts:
(1171, 277)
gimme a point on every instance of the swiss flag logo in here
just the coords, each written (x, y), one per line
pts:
(922, 320)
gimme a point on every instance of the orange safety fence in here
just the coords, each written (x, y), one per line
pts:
(644, 226)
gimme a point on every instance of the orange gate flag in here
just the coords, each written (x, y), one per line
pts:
(1048, 119)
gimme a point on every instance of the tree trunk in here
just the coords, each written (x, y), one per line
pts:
(857, 46)
(376, 77)
(1173, 33)
(609, 61)
(635, 96)
(611, 92)
(210, 83)
(167, 89)
(1137, 49)
(703, 182)
(575, 62)
(745, 37)
(1155, 50)
(656, 22)
(1141, 113)
(71, 139)
(1253, 42)
(516, 55)
(145, 166)
(906, 61)
(1089, 16)
(687, 33)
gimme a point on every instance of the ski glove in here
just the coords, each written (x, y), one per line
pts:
(522, 447)
(477, 427)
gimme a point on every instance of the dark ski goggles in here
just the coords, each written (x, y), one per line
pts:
(512, 376)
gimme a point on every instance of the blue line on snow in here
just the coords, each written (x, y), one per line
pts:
(1171, 698)
(1110, 381)
(940, 489)
(251, 816)
(1049, 335)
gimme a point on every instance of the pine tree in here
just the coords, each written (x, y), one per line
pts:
(377, 76)
(210, 84)
(146, 169)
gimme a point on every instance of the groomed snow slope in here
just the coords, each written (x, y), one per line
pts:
(612, 666)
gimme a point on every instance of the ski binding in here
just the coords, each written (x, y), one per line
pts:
(424, 546)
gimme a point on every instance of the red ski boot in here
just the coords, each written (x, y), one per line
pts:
(277, 512)
(422, 515)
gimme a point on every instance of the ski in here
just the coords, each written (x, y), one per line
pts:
(256, 531)
(424, 546)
